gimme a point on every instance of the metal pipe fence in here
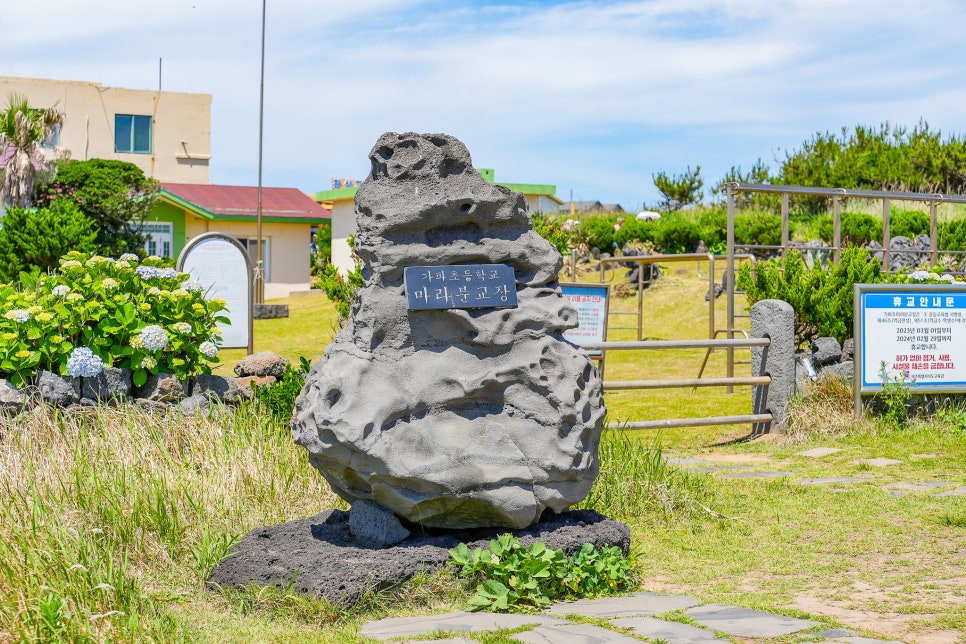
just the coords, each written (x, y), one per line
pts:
(729, 381)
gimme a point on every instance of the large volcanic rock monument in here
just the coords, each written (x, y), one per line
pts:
(441, 400)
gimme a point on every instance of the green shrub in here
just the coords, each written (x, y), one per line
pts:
(552, 229)
(952, 234)
(35, 239)
(597, 231)
(340, 290)
(145, 317)
(278, 398)
(856, 228)
(758, 229)
(822, 300)
(713, 228)
(834, 300)
(677, 233)
(323, 249)
(115, 195)
(516, 578)
(908, 223)
(633, 230)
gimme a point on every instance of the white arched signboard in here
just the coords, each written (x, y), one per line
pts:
(221, 264)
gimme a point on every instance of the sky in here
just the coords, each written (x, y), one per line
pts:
(594, 97)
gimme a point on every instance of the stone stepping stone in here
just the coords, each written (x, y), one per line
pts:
(818, 452)
(960, 491)
(834, 632)
(878, 462)
(446, 640)
(834, 480)
(904, 487)
(744, 622)
(573, 634)
(684, 462)
(718, 468)
(757, 475)
(669, 632)
(638, 604)
(459, 622)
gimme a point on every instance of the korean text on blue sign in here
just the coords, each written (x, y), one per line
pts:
(921, 334)
(463, 286)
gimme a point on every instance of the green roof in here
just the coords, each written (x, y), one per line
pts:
(541, 189)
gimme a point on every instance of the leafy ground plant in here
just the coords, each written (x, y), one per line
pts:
(515, 578)
(278, 398)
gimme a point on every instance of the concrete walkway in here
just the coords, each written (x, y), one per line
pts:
(644, 616)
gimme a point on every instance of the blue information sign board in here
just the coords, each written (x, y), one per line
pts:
(462, 286)
(913, 332)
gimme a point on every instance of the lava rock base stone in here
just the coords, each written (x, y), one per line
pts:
(325, 560)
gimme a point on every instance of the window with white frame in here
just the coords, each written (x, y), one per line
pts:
(158, 238)
(251, 245)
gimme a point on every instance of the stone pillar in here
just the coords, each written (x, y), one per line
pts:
(773, 319)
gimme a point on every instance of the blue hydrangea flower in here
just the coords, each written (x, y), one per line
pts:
(192, 285)
(83, 363)
(208, 349)
(154, 337)
(150, 272)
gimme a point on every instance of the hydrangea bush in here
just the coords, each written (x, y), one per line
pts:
(134, 314)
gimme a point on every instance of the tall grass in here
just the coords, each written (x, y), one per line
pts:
(636, 482)
(107, 517)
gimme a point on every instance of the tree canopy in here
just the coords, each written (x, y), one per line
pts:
(115, 195)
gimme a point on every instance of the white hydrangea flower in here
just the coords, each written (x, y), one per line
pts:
(83, 363)
(181, 327)
(149, 362)
(192, 285)
(17, 315)
(128, 257)
(208, 349)
(109, 283)
(154, 337)
(946, 277)
(61, 290)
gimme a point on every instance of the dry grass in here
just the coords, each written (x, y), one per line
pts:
(105, 515)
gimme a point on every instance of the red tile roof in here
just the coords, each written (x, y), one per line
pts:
(243, 200)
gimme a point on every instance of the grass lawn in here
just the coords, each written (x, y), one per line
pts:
(110, 521)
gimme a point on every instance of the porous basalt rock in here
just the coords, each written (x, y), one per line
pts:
(320, 556)
(263, 363)
(452, 418)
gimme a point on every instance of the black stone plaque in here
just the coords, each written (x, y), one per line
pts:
(462, 286)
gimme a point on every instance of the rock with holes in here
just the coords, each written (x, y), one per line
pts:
(452, 418)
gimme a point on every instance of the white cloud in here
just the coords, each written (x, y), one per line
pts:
(594, 96)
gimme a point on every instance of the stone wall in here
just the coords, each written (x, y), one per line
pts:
(115, 386)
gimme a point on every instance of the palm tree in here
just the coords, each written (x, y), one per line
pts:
(23, 157)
